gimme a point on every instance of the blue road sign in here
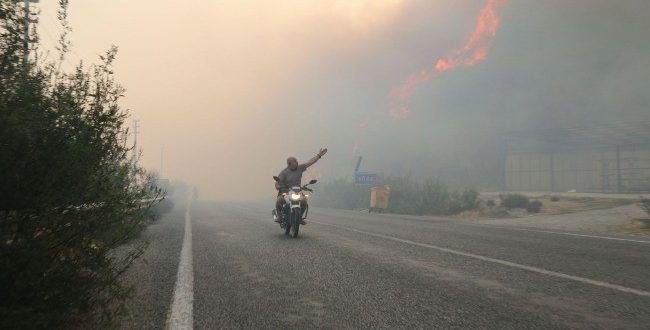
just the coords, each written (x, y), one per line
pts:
(365, 178)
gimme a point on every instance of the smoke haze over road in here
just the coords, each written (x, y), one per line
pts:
(233, 88)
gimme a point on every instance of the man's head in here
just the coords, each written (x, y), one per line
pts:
(292, 163)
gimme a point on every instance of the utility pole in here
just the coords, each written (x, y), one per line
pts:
(136, 130)
(27, 20)
(356, 168)
(162, 148)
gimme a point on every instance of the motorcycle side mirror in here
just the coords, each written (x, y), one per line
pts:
(313, 181)
(276, 178)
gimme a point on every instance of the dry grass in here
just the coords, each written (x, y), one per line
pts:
(551, 205)
(471, 215)
(577, 204)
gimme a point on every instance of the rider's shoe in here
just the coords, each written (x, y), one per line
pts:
(276, 218)
(303, 222)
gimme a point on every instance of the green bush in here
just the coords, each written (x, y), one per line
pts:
(69, 192)
(555, 199)
(434, 197)
(405, 196)
(534, 206)
(490, 203)
(514, 201)
(410, 197)
(466, 200)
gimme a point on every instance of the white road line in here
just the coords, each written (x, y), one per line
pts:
(569, 234)
(456, 222)
(553, 232)
(497, 261)
(180, 312)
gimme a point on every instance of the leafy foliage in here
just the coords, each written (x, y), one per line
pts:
(514, 201)
(464, 201)
(534, 206)
(519, 201)
(69, 192)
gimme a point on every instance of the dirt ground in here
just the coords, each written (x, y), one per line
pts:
(562, 205)
(556, 203)
(532, 194)
(602, 214)
(594, 213)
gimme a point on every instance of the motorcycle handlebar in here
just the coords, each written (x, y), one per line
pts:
(287, 187)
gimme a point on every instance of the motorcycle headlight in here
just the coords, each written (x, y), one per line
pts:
(295, 196)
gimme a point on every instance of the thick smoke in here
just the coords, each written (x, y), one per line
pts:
(233, 88)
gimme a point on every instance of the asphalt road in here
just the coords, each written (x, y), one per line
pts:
(357, 270)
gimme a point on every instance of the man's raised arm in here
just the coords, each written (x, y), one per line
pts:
(318, 156)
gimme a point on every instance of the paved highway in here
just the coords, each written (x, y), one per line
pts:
(219, 265)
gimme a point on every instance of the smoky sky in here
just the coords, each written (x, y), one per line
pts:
(228, 90)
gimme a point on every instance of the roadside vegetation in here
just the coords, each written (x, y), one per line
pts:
(70, 191)
(517, 205)
(519, 201)
(569, 204)
(407, 196)
(433, 197)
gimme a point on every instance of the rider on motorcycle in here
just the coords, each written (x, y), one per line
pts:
(291, 177)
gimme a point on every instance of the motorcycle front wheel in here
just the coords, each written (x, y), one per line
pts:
(295, 222)
(287, 223)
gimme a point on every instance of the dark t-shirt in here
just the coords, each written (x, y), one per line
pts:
(289, 178)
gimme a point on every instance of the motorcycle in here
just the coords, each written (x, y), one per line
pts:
(294, 209)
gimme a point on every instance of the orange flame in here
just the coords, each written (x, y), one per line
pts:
(443, 65)
(404, 92)
(476, 48)
(474, 51)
